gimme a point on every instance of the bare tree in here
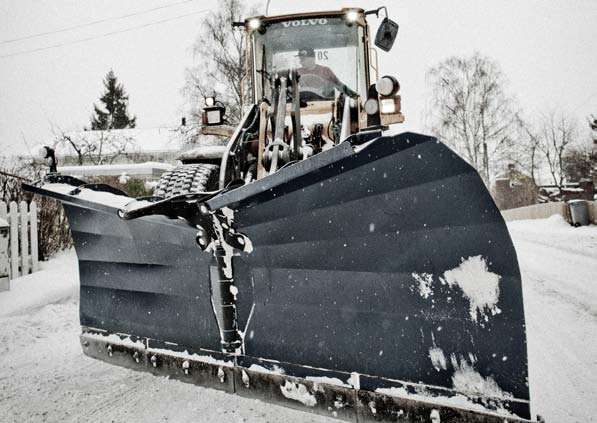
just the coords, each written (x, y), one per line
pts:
(53, 230)
(593, 125)
(12, 174)
(93, 147)
(557, 133)
(221, 62)
(526, 153)
(470, 111)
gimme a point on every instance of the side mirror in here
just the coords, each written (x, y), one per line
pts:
(386, 34)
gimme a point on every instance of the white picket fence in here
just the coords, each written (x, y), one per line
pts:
(23, 245)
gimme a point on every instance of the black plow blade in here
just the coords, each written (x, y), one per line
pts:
(381, 283)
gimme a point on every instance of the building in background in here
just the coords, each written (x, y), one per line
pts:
(513, 188)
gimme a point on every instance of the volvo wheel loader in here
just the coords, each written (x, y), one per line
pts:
(314, 260)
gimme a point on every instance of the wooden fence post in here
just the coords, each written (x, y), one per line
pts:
(14, 240)
(4, 261)
(34, 240)
(24, 215)
(3, 211)
(21, 262)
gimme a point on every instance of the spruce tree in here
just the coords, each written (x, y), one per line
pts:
(114, 113)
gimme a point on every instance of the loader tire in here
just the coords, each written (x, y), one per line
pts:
(189, 178)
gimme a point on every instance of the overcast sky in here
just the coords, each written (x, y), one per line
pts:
(546, 49)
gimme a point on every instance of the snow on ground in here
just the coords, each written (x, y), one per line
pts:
(33, 291)
(559, 268)
(44, 376)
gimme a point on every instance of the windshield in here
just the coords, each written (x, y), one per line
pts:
(322, 50)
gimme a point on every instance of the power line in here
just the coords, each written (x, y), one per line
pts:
(107, 34)
(114, 18)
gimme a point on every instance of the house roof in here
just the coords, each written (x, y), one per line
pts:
(135, 140)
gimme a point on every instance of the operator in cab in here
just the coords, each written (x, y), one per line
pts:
(318, 79)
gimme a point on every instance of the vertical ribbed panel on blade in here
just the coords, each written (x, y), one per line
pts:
(144, 277)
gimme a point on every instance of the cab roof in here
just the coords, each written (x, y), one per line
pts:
(308, 15)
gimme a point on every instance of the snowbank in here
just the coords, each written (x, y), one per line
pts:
(57, 281)
(554, 223)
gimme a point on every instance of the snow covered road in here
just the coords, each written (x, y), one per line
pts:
(559, 267)
(44, 377)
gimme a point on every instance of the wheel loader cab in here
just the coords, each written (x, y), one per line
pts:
(310, 79)
(328, 51)
(311, 86)
(331, 53)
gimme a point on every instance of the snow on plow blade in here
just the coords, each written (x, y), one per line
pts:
(382, 284)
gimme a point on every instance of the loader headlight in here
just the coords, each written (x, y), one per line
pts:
(371, 106)
(48, 153)
(210, 101)
(388, 105)
(254, 24)
(43, 152)
(387, 86)
(213, 115)
(352, 16)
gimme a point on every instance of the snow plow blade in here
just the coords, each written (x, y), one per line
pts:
(374, 281)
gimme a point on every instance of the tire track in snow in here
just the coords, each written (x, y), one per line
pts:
(47, 378)
(561, 313)
(109, 395)
(561, 274)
